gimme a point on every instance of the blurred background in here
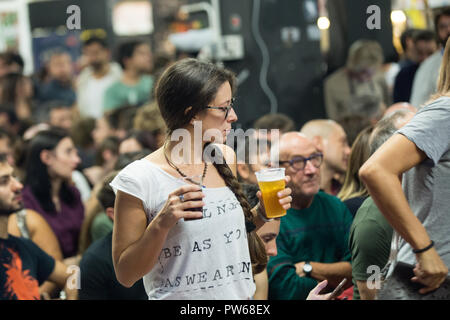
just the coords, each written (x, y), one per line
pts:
(281, 50)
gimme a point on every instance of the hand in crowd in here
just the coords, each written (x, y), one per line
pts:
(430, 270)
(315, 293)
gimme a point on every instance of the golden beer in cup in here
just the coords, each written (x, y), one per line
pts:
(270, 182)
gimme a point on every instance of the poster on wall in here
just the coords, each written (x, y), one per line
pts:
(45, 45)
(9, 30)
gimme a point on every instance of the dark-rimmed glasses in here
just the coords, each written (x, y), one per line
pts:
(226, 109)
(299, 162)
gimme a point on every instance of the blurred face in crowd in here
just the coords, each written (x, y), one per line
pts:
(305, 183)
(10, 191)
(60, 67)
(130, 145)
(63, 160)
(141, 60)
(6, 149)
(424, 49)
(97, 56)
(336, 150)
(61, 117)
(101, 131)
(268, 234)
(443, 29)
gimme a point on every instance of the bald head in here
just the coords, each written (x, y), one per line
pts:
(331, 139)
(320, 127)
(292, 143)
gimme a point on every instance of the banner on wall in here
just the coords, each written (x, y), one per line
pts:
(9, 30)
(45, 45)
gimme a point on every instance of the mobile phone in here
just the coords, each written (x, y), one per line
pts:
(338, 290)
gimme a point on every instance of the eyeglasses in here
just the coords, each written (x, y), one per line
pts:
(226, 109)
(299, 163)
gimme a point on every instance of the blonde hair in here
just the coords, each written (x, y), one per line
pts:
(443, 86)
(353, 187)
(364, 54)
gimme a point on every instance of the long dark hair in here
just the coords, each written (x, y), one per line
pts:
(37, 176)
(193, 83)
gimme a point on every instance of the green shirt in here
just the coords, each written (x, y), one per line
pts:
(318, 233)
(101, 226)
(120, 94)
(370, 242)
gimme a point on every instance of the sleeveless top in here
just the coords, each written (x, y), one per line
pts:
(201, 259)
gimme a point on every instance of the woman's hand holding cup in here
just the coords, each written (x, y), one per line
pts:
(180, 205)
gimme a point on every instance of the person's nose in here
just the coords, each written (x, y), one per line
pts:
(310, 168)
(272, 249)
(232, 116)
(17, 185)
(76, 159)
(347, 150)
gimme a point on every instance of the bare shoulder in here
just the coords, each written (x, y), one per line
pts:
(35, 220)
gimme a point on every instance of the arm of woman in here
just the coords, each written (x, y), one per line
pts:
(42, 234)
(136, 246)
(382, 176)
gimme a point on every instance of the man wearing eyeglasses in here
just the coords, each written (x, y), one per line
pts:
(313, 239)
(331, 139)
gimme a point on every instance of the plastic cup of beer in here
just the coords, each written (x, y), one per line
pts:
(270, 182)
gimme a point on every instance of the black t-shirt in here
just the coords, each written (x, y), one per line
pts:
(98, 278)
(23, 267)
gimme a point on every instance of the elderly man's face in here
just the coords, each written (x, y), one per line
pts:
(305, 182)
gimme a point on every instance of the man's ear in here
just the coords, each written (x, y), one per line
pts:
(45, 156)
(110, 213)
(243, 171)
(319, 143)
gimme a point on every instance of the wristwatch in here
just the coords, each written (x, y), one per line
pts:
(307, 268)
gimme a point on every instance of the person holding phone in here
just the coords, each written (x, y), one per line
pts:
(208, 258)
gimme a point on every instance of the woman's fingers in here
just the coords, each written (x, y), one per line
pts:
(186, 188)
(191, 204)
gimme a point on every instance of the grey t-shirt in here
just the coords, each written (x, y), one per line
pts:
(427, 186)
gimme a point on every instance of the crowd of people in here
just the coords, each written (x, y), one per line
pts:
(94, 205)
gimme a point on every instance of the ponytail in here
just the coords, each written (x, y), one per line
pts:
(258, 254)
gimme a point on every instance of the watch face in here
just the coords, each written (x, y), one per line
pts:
(307, 268)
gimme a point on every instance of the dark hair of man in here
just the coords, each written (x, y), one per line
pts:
(126, 158)
(194, 83)
(146, 139)
(109, 143)
(106, 195)
(37, 176)
(424, 35)
(408, 33)
(126, 50)
(440, 13)
(275, 121)
(99, 41)
(8, 84)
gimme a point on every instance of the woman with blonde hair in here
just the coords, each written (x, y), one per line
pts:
(353, 191)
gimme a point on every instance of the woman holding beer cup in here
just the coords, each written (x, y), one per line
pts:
(182, 222)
